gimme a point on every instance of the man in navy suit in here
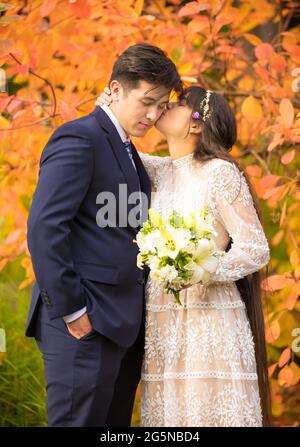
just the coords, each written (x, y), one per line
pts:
(87, 307)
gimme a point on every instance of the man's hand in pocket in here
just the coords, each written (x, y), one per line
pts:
(80, 327)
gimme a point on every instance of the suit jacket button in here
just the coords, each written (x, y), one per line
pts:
(141, 281)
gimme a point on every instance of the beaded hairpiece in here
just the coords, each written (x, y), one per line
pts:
(204, 106)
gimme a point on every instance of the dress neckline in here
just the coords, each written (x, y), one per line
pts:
(182, 161)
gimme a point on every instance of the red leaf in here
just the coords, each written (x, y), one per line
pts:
(81, 8)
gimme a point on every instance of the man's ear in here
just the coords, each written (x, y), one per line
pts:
(195, 128)
(116, 90)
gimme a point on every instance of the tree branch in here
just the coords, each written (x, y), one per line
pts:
(43, 79)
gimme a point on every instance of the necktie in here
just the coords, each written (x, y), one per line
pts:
(128, 147)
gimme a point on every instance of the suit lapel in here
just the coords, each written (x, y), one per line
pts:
(119, 150)
(143, 176)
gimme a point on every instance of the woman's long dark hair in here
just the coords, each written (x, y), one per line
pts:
(218, 135)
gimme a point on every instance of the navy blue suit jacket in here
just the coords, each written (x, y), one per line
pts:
(77, 263)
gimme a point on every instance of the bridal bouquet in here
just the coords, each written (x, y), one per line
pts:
(179, 250)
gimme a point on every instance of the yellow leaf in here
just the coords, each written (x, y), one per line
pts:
(283, 215)
(184, 69)
(296, 371)
(138, 7)
(252, 39)
(251, 109)
(277, 238)
(294, 259)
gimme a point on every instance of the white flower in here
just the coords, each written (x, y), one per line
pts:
(139, 261)
(165, 274)
(204, 261)
(296, 85)
(147, 242)
(172, 241)
(153, 262)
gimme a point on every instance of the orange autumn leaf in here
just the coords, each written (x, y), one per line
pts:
(263, 51)
(284, 357)
(287, 377)
(277, 282)
(277, 62)
(73, 45)
(80, 8)
(252, 38)
(272, 331)
(265, 183)
(253, 170)
(288, 157)
(277, 238)
(47, 7)
(192, 8)
(286, 110)
(271, 369)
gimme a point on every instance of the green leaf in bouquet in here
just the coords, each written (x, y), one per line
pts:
(182, 259)
(147, 227)
(176, 294)
(165, 260)
(176, 220)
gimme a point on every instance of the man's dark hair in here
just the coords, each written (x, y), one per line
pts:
(144, 62)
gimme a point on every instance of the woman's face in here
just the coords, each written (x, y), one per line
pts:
(176, 120)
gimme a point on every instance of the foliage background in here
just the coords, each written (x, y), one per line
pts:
(57, 56)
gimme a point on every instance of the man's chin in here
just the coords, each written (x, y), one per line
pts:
(139, 132)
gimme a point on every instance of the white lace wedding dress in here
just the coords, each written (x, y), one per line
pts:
(199, 367)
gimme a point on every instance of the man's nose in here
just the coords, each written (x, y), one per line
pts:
(153, 115)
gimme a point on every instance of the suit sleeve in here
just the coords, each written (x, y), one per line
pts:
(66, 168)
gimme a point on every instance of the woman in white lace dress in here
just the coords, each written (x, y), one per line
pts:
(205, 361)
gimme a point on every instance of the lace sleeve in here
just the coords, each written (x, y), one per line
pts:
(154, 166)
(230, 196)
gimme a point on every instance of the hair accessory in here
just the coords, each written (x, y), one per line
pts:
(196, 115)
(205, 106)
